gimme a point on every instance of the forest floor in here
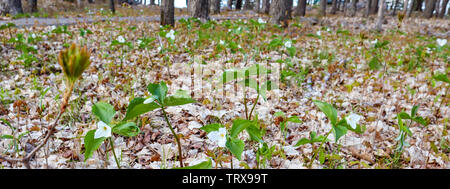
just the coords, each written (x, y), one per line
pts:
(338, 60)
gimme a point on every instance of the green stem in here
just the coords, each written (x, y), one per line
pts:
(317, 150)
(114, 153)
(177, 139)
(254, 105)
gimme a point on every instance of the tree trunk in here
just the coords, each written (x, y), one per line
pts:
(257, 7)
(247, 5)
(215, 6)
(438, 2)
(443, 7)
(354, 8)
(333, 7)
(238, 4)
(91, 1)
(405, 6)
(380, 18)
(344, 6)
(265, 6)
(152, 2)
(368, 7)
(278, 12)
(301, 8)
(429, 9)
(323, 7)
(199, 9)
(11, 7)
(167, 13)
(374, 7)
(289, 4)
(230, 4)
(33, 5)
(394, 7)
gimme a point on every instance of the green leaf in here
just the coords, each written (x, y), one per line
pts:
(414, 111)
(374, 63)
(236, 147)
(302, 141)
(211, 127)
(202, 165)
(91, 144)
(128, 129)
(294, 119)
(420, 120)
(404, 115)
(441, 77)
(321, 156)
(137, 107)
(278, 114)
(104, 111)
(255, 133)
(339, 131)
(6, 137)
(174, 101)
(238, 126)
(159, 90)
(328, 110)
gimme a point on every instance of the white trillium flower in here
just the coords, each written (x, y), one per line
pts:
(149, 100)
(171, 35)
(288, 44)
(52, 28)
(222, 42)
(374, 41)
(139, 42)
(261, 21)
(101, 9)
(219, 136)
(33, 35)
(353, 119)
(159, 49)
(318, 33)
(441, 42)
(103, 130)
(121, 39)
(239, 46)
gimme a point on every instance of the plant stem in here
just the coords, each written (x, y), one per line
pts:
(114, 152)
(254, 105)
(317, 150)
(177, 139)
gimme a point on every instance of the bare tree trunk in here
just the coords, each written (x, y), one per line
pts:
(33, 5)
(91, 1)
(438, 2)
(230, 4)
(152, 2)
(374, 7)
(199, 9)
(344, 6)
(368, 7)
(289, 4)
(13, 7)
(394, 7)
(323, 7)
(257, 7)
(247, 5)
(265, 6)
(354, 7)
(238, 4)
(278, 12)
(443, 7)
(301, 8)
(405, 6)
(380, 18)
(215, 6)
(333, 7)
(429, 9)
(167, 13)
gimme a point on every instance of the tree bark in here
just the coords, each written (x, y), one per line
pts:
(112, 6)
(199, 9)
(265, 6)
(289, 4)
(257, 7)
(368, 7)
(167, 13)
(354, 8)
(11, 7)
(152, 2)
(429, 9)
(323, 7)
(333, 7)
(405, 6)
(247, 5)
(443, 7)
(278, 12)
(374, 7)
(394, 7)
(230, 4)
(215, 6)
(33, 5)
(438, 2)
(300, 10)
(238, 4)
(380, 18)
